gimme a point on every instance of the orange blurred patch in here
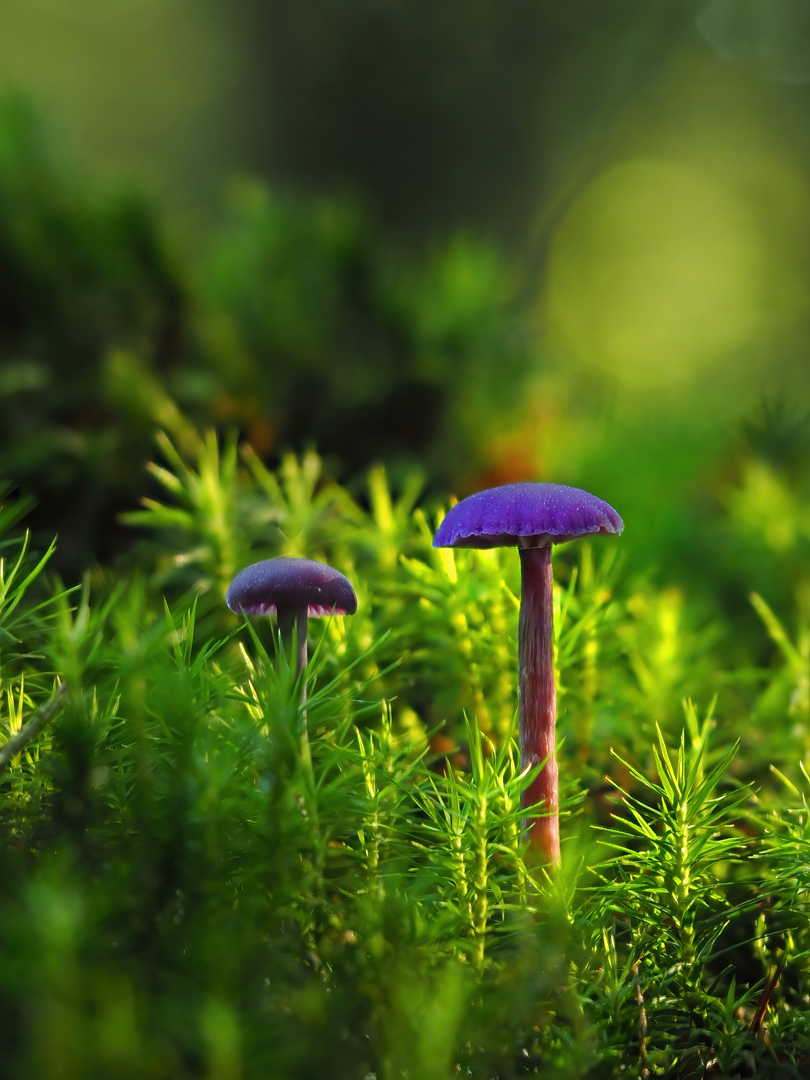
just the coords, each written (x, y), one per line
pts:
(246, 411)
(516, 454)
(236, 407)
(261, 436)
(450, 752)
(440, 744)
(515, 465)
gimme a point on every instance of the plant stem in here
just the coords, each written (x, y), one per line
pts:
(538, 698)
(372, 821)
(480, 909)
(37, 722)
(682, 885)
(643, 1068)
(462, 889)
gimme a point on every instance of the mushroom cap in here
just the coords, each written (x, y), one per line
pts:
(265, 586)
(539, 513)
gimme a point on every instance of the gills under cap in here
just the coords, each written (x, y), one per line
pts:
(540, 513)
(264, 587)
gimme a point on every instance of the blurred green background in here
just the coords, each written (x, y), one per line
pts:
(490, 240)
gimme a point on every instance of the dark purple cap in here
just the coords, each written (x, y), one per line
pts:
(541, 513)
(262, 588)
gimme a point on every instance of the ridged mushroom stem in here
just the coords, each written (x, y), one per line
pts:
(289, 617)
(537, 704)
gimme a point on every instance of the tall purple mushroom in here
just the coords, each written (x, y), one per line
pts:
(532, 517)
(293, 590)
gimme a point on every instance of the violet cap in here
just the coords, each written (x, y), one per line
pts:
(265, 586)
(532, 514)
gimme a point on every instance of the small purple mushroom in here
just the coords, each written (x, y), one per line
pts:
(532, 517)
(293, 590)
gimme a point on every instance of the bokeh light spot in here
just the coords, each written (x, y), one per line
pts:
(656, 270)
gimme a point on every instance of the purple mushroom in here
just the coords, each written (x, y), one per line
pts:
(293, 590)
(532, 517)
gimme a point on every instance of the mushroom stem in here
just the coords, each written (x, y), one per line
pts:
(289, 617)
(538, 697)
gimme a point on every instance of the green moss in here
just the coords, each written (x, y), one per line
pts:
(197, 882)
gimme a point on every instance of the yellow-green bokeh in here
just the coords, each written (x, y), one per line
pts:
(680, 246)
(659, 268)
